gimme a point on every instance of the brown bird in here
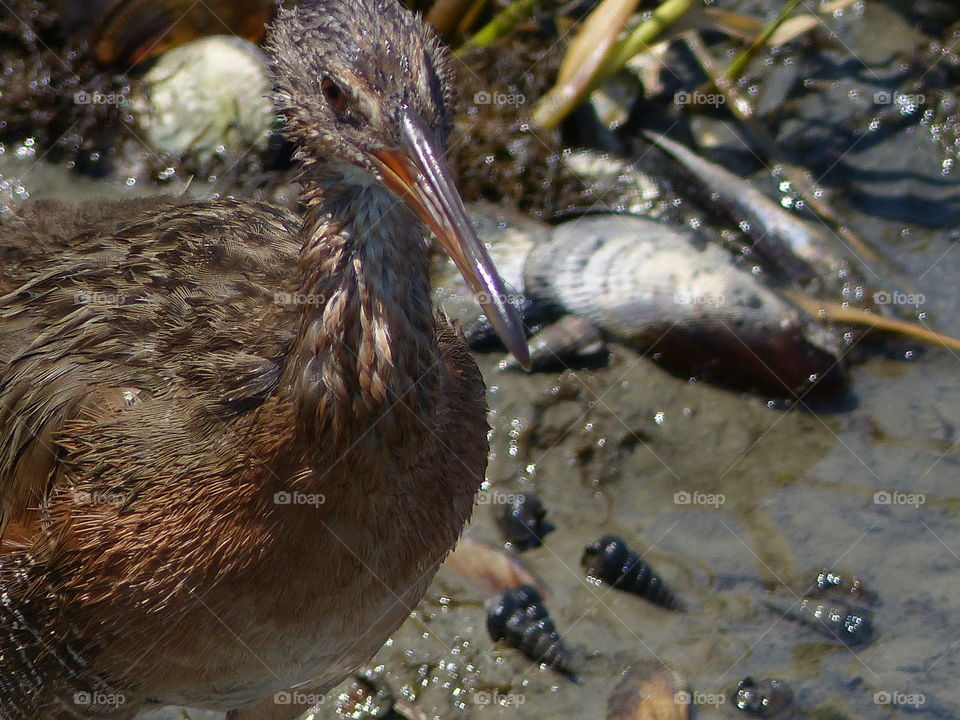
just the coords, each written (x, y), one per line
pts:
(235, 445)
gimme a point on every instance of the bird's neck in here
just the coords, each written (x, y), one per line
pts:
(365, 365)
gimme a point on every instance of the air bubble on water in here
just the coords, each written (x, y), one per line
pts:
(27, 149)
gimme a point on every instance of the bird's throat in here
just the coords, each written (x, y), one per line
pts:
(366, 360)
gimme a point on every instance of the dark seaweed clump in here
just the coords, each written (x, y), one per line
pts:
(497, 155)
(72, 111)
(47, 76)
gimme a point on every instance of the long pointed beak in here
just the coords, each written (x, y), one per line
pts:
(419, 175)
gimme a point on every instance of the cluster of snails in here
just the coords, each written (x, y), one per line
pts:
(517, 615)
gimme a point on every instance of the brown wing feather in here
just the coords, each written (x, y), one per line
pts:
(154, 296)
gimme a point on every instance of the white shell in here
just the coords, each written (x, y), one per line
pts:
(206, 98)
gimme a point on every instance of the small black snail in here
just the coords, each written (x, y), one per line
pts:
(764, 698)
(610, 560)
(523, 522)
(519, 617)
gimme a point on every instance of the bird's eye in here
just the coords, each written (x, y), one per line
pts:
(333, 94)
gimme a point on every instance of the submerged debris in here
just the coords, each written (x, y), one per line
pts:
(839, 585)
(367, 697)
(768, 698)
(571, 341)
(130, 31)
(495, 152)
(799, 250)
(849, 624)
(610, 560)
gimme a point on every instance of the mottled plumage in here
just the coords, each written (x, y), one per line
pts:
(235, 445)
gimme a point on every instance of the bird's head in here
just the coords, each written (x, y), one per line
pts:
(365, 85)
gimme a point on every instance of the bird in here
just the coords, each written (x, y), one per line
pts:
(236, 442)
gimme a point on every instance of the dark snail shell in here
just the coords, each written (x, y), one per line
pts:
(610, 559)
(368, 696)
(839, 585)
(847, 623)
(767, 698)
(523, 522)
(518, 617)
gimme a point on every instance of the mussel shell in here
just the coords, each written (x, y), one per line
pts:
(509, 237)
(490, 567)
(650, 691)
(653, 285)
